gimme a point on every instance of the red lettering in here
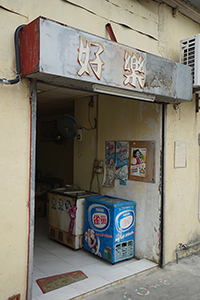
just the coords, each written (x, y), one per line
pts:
(96, 220)
(103, 220)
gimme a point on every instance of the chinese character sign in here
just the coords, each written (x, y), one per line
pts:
(134, 66)
(92, 56)
(84, 53)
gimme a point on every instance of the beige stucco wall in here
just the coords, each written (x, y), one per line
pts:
(14, 166)
(182, 184)
(145, 25)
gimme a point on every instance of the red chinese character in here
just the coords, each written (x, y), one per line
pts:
(134, 64)
(103, 220)
(96, 220)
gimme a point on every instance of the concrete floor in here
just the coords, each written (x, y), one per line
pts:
(175, 281)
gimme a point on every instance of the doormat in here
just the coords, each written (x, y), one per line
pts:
(51, 283)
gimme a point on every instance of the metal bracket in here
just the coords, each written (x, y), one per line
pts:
(176, 106)
(110, 32)
(175, 12)
(197, 102)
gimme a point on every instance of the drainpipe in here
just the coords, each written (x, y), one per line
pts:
(33, 102)
(17, 57)
(163, 160)
(184, 247)
(199, 174)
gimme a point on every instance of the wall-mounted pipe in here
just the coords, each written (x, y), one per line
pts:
(184, 247)
(33, 113)
(199, 189)
(199, 174)
(163, 187)
(17, 57)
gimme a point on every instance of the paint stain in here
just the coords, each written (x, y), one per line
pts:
(144, 291)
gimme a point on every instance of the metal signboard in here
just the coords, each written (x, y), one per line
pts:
(65, 56)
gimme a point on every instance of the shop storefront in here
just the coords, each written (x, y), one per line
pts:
(109, 78)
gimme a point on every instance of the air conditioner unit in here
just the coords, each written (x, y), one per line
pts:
(190, 56)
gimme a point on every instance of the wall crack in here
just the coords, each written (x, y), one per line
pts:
(12, 11)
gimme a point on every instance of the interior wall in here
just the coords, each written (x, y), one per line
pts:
(123, 120)
(85, 150)
(52, 159)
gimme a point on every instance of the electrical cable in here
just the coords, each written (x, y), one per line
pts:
(90, 104)
(93, 174)
(98, 183)
(17, 57)
(88, 128)
(89, 117)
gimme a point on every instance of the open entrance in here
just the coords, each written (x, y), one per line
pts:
(57, 171)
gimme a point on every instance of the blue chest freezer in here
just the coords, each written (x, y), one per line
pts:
(109, 227)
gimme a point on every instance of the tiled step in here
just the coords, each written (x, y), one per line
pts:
(99, 279)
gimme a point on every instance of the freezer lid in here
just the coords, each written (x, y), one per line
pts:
(110, 201)
(72, 194)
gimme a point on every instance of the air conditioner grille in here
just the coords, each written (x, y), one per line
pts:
(188, 53)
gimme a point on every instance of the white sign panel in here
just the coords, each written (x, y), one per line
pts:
(180, 154)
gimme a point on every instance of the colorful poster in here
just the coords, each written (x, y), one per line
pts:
(122, 154)
(122, 174)
(138, 162)
(109, 176)
(110, 153)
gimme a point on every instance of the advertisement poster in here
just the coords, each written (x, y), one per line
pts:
(110, 153)
(109, 176)
(122, 154)
(138, 162)
(122, 174)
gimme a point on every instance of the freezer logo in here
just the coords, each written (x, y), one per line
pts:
(98, 217)
(53, 202)
(60, 204)
(99, 220)
(125, 220)
(67, 204)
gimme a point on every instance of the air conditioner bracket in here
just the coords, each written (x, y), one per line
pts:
(197, 102)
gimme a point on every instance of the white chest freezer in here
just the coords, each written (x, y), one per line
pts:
(59, 220)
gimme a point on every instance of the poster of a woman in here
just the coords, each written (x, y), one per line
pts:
(138, 161)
